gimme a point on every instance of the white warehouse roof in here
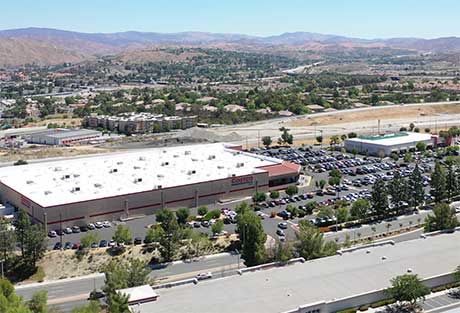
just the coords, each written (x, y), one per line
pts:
(99, 176)
(392, 139)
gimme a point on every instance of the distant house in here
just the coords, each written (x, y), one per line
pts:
(209, 108)
(264, 111)
(234, 108)
(206, 99)
(285, 113)
(315, 107)
(183, 106)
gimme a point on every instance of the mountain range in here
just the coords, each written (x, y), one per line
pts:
(47, 46)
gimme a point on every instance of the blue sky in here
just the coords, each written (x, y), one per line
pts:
(358, 18)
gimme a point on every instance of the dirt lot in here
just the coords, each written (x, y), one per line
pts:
(74, 122)
(42, 152)
(384, 113)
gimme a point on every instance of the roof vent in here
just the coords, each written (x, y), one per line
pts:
(239, 165)
(76, 175)
(164, 163)
(119, 162)
(175, 156)
(75, 189)
(30, 182)
(211, 157)
(160, 176)
(137, 180)
(67, 176)
(57, 169)
(220, 167)
(113, 170)
(137, 167)
(47, 192)
(187, 152)
(159, 186)
(97, 185)
(191, 172)
(142, 158)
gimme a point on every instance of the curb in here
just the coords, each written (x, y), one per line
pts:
(65, 280)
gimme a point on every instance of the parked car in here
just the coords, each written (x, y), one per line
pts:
(68, 245)
(76, 246)
(137, 240)
(106, 224)
(96, 294)
(57, 246)
(204, 275)
(98, 225)
(75, 229)
(280, 233)
(68, 230)
(91, 226)
(103, 243)
(52, 234)
(282, 225)
(84, 228)
(94, 245)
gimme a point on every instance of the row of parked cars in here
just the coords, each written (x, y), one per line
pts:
(101, 244)
(78, 229)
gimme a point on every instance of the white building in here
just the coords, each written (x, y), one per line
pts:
(398, 142)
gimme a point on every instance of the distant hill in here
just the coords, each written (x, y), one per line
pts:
(51, 46)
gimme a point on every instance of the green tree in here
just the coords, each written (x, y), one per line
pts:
(120, 274)
(310, 243)
(281, 252)
(398, 190)
(34, 244)
(452, 179)
(217, 227)
(91, 307)
(274, 194)
(38, 302)
(202, 210)
(169, 240)
(9, 301)
(334, 181)
(443, 218)
(415, 188)
(354, 151)
(407, 288)
(291, 190)
(286, 137)
(334, 140)
(182, 215)
(407, 157)
(420, 146)
(322, 184)
(21, 224)
(438, 183)
(252, 237)
(359, 209)
(342, 214)
(319, 139)
(7, 241)
(154, 234)
(88, 239)
(118, 303)
(259, 197)
(379, 198)
(266, 141)
(122, 234)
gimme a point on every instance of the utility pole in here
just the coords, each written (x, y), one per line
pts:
(60, 226)
(258, 138)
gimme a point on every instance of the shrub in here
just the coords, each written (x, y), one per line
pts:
(364, 308)
(291, 190)
(259, 197)
(212, 214)
(39, 275)
(347, 311)
(382, 303)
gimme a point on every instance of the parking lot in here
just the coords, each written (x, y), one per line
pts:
(358, 175)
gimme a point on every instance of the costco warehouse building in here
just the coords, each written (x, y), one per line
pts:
(81, 190)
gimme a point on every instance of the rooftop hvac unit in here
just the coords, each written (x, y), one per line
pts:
(75, 189)
(239, 165)
(160, 176)
(113, 170)
(30, 182)
(47, 192)
(220, 167)
(187, 152)
(138, 180)
(66, 176)
(57, 169)
(191, 172)
(159, 186)
(175, 156)
(119, 163)
(211, 157)
(233, 175)
(141, 158)
(97, 185)
(137, 167)
(76, 175)
(164, 163)
(194, 160)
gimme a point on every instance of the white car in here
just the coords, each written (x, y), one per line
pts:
(91, 226)
(204, 275)
(112, 243)
(52, 234)
(98, 225)
(106, 224)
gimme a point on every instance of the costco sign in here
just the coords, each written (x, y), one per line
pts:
(242, 180)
